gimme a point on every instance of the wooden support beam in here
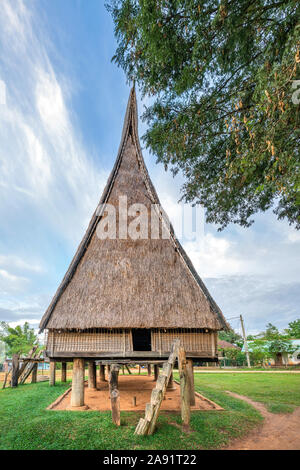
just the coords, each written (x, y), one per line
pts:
(92, 380)
(190, 373)
(102, 373)
(114, 394)
(184, 389)
(6, 377)
(128, 370)
(15, 370)
(149, 369)
(156, 372)
(52, 373)
(34, 374)
(29, 368)
(63, 371)
(24, 365)
(77, 394)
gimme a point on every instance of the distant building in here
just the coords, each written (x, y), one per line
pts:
(284, 358)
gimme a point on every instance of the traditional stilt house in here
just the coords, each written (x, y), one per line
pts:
(129, 296)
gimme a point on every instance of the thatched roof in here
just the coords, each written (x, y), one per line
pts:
(131, 283)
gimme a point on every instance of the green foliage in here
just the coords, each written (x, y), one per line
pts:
(259, 353)
(261, 350)
(221, 76)
(18, 340)
(281, 345)
(293, 331)
(271, 332)
(236, 357)
(232, 337)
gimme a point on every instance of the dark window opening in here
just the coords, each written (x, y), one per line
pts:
(141, 339)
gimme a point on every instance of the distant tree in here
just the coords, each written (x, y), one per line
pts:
(271, 332)
(222, 75)
(251, 337)
(236, 356)
(18, 340)
(293, 331)
(259, 352)
(232, 337)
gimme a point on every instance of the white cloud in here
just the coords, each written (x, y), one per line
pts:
(48, 162)
(11, 277)
(15, 262)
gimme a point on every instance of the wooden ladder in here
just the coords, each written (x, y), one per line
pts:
(146, 425)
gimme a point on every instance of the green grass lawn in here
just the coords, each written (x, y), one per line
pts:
(26, 424)
(279, 392)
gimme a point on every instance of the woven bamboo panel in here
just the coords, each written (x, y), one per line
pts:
(192, 340)
(100, 340)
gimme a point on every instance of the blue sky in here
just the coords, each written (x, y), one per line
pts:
(59, 133)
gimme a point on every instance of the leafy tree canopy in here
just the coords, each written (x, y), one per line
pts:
(18, 340)
(293, 331)
(221, 74)
(232, 337)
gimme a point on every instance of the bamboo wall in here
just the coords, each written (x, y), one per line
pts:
(192, 340)
(202, 342)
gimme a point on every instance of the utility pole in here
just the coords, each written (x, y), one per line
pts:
(245, 341)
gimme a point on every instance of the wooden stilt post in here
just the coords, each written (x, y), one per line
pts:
(184, 389)
(156, 372)
(190, 372)
(139, 370)
(34, 374)
(171, 385)
(92, 375)
(63, 371)
(114, 394)
(77, 395)
(102, 373)
(15, 370)
(52, 373)
(149, 369)
(128, 370)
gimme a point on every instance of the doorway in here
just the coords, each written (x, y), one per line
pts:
(141, 339)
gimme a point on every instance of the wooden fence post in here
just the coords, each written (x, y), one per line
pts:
(190, 373)
(15, 370)
(114, 394)
(34, 374)
(184, 389)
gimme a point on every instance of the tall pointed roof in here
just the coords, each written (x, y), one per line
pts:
(131, 283)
